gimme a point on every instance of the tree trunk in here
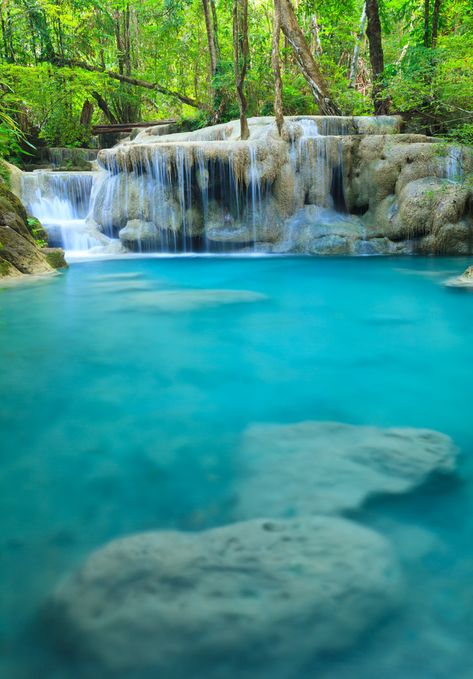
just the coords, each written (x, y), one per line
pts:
(435, 23)
(137, 82)
(356, 51)
(240, 59)
(209, 26)
(86, 113)
(309, 68)
(426, 23)
(215, 29)
(278, 108)
(373, 31)
(315, 31)
(125, 107)
(104, 107)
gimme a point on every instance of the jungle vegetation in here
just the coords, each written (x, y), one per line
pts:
(66, 65)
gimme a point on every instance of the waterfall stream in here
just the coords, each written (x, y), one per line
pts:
(180, 200)
(208, 191)
(61, 201)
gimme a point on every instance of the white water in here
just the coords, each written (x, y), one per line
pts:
(62, 201)
(183, 199)
(453, 164)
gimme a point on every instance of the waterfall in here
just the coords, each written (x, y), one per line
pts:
(453, 164)
(204, 191)
(61, 201)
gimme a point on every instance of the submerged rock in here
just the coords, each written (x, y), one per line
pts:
(329, 467)
(463, 281)
(189, 300)
(244, 597)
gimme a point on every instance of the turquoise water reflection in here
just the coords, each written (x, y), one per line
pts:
(120, 413)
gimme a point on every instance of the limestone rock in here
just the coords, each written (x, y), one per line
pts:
(55, 257)
(139, 234)
(463, 281)
(322, 231)
(329, 467)
(409, 191)
(175, 301)
(233, 601)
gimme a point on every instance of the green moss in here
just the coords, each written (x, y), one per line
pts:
(5, 174)
(4, 267)
(10, 203)
(55, 258)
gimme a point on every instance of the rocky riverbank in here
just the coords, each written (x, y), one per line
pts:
(23, 241)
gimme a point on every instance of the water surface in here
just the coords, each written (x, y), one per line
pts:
(121, 414)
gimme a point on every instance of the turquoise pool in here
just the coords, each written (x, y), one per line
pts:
(125, 394)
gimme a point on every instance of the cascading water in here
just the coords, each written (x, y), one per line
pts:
(453, 164)
(61, 201)
(206, 191)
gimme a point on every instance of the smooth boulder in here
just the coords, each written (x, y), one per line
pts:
(330, 467)
(175, 301)
(240, 600)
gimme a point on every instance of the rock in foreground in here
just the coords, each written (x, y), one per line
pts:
(226, 602)
(19, 251)
(463, 281)
(329, 467)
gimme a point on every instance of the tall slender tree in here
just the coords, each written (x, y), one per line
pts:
(276, 65)
(435, 23)
(356, 50)
(211, 26)
(240, 58)
(373, 31)
(303, 55)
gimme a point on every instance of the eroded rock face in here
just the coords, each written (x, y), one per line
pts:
(19, 252)
(138, 234)
(318, 230)
(406, 193)
(329, 467)
(238, 599)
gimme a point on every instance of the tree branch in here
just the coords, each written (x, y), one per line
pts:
(136, 82)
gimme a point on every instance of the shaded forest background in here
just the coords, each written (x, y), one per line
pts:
(66, 65)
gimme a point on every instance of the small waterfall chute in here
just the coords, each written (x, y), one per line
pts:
(61, 201)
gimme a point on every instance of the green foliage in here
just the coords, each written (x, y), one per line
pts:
(5, 174)
(55, 257)
(43, 89)
(38, 231)
(462, 134)
(191, 123)
(12, 140)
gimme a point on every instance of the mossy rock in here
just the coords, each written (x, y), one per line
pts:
(37, 230)
(6, 269)
(55, 258)
(19, 251)
(10, 203)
